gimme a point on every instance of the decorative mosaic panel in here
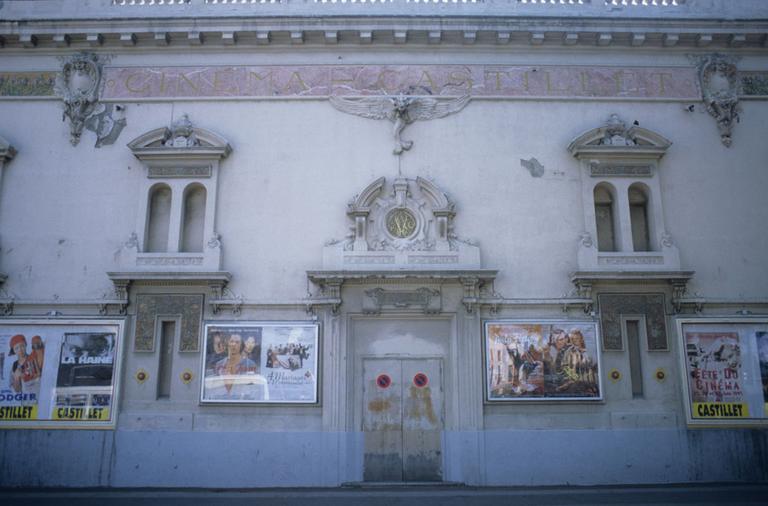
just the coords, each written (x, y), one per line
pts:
(612, 306)
(189, 307)
(754, 83)
(26, 84)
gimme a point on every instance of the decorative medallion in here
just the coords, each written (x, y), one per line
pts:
(401, 223)
(614, 375)
(141, 376)
(186, 376)
(660, 375)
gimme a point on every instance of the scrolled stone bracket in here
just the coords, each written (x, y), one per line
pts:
(119, 298)
(330, 295)
(223, 298)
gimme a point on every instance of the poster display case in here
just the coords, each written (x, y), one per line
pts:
(59, 373)
(260, 362)
(725, 370)
(528, 360)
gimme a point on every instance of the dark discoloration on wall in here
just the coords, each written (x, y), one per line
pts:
(423, 467)
(727, 455)
(383, 467)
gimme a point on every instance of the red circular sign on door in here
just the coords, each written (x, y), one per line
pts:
(383, 381)
(420, 380)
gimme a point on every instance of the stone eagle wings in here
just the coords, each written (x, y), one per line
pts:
(401, 109)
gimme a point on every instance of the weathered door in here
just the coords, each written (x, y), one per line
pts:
(402, 419)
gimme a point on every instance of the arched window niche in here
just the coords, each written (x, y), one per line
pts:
(193, 222)
(158, 218)
(605, 216)
(177, 214)
(624, 228)
(639, 217)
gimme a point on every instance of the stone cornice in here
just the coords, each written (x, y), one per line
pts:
(455, 29)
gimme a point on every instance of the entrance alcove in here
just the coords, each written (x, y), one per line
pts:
(402, 324)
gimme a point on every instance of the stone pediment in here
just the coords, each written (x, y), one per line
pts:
(405, 224)
(181, 141)
(615, 140)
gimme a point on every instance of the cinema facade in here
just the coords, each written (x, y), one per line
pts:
(264, 243)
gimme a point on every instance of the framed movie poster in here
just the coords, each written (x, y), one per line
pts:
(59, 374)
(542, 361)
(725, 368)
(260, 362)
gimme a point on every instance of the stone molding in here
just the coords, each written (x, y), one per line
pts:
(214, 281)
(585, 281)
(289, 22)
(330, 282)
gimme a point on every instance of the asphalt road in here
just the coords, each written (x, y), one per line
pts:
(395, 495)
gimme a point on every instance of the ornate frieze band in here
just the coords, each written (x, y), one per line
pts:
(362, 80)
(319, 81)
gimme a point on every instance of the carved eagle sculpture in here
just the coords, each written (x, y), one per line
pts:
(400, 109)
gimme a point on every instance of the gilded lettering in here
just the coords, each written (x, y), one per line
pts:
(295, 78)
(462, 78)
(218, 81)
(162, 82)
(497, 74)
(621, 77)
(661, 75)
(185, 78)
(425, 74)
(129, 83)
(584, 77)
(253, 77)
(380, 82)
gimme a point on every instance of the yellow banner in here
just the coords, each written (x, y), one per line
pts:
(720, 410)
(18, 412)
(90, 414)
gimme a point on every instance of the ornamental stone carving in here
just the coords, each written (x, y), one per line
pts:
(719, 82)
(402, 110)
(404, 224)
(78, 85)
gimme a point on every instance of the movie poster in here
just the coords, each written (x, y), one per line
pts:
(58, 373)
(726, 370)
(260, 363)
(542, 361)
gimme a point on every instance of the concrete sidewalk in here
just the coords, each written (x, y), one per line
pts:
(399, 495)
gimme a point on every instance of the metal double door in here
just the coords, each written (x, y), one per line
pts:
(402, 419)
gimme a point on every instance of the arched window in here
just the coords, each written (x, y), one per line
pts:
(194, 219)
(638, 216)
(604, 218)
(158, 219)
